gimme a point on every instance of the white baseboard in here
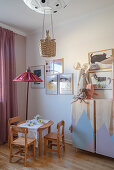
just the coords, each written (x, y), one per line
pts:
(68, 141)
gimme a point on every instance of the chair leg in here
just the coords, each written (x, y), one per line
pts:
(34, 150)
(11, 154)
(8, 142)
(58, 148)
(25, 160)
(8, 135)
(45, 142)
(63, 142)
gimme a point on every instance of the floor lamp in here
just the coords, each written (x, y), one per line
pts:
(27, 76)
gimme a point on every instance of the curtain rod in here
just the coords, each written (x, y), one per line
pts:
(16, 31)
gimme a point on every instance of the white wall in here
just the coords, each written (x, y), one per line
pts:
(74, 40)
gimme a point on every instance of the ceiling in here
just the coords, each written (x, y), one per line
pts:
(16, 14)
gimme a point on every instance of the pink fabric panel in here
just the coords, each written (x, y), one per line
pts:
(8, 97)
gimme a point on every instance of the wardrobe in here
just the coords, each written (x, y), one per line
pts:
(93, 126)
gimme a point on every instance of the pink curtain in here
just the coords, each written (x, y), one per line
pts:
(8, 98)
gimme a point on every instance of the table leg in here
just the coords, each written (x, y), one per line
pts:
(49, 142)
(49, 129)
(40, 143)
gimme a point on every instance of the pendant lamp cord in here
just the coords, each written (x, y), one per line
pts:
(43, 27)
(52, 25)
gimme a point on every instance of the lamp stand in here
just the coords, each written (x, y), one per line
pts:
(27, 101)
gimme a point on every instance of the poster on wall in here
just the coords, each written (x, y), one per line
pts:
(99, 56)
(49, 67)
(40, 72)
(101, 79)
(66, 84)
(52, 84)
(58, 66)
(55, 66)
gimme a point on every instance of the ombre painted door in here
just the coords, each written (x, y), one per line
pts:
(105, 127)
(83, 123)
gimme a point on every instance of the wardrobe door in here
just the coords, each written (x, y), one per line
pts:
(83, 124)
(105, 127)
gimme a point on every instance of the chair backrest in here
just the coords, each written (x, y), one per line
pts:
(59, 125)
(17, 129)
(14, 120)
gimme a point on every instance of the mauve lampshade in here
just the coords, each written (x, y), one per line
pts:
(27, 76)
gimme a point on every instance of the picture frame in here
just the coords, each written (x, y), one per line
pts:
(55, 66)
(52, 84)
(58, 66)
(102, 79)
(49, 67)
(66, 84)
(40, 72)
(97, 57)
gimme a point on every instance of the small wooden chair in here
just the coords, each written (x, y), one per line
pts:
(54, 139)
(12, 121)
(21, 142)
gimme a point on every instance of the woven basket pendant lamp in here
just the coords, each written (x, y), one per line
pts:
(47, 44)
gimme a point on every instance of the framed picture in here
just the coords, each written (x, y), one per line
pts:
(58, 66)
(52, 84)
(49, 67)
(40, 72)
(55, 66)
(101, 79)
(66, 84)
(98, 56)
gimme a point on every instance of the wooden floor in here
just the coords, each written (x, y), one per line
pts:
(71, 160)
